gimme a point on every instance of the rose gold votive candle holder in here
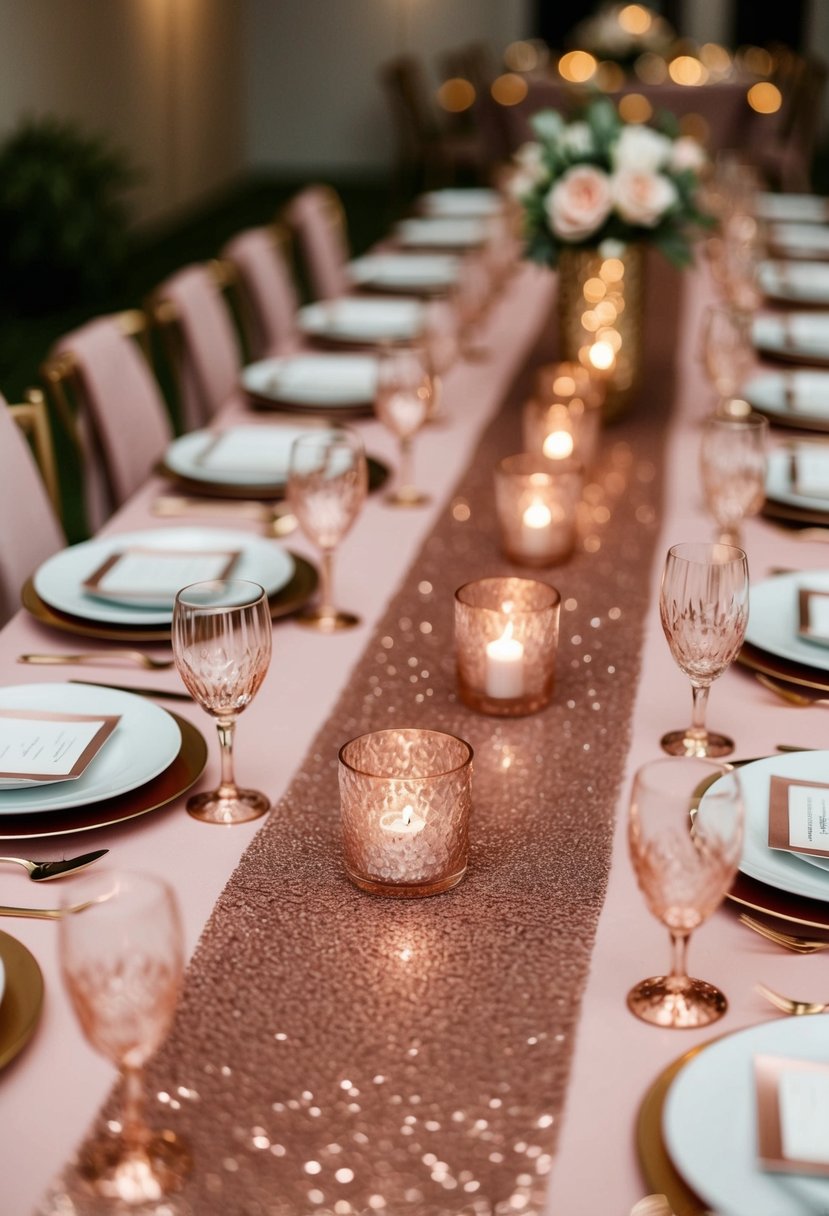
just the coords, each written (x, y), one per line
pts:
(563, 417)
(405, 798)
(506, 637)
(537, 504)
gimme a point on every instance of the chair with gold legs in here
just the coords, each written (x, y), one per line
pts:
(257, 263)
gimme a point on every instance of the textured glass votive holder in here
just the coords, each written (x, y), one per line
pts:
(537, 503)
(563, 417)
(405, 798)
(506, 638)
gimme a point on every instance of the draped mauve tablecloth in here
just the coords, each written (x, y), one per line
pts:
(336, 1052)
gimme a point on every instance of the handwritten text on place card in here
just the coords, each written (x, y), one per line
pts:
(50, 747)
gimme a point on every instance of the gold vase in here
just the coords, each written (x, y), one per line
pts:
(600, 313)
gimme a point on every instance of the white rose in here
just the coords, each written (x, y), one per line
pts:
(578, 139)
(579, 203)
(520, 184)
(642, 198)
(688, 153)
(530, 160)
(640, 147)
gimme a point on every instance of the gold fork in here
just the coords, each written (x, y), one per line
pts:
(105, 657)
(789, 695)
(791, 941)
(787, 1004)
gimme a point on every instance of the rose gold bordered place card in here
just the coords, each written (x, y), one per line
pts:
(814, 615)
(799, 816)
(792, 1114)
(36, 746)
(810, 470)
(153, 576)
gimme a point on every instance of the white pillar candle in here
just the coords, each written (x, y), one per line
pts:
(504, 675)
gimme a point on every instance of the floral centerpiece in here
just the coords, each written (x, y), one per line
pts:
(593, 193)
(598, 178)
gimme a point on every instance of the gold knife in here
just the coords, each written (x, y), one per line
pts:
(139, 692)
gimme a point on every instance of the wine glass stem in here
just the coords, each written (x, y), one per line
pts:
(700, 702)
(406, 472)
(679, 953)
(326, 607)
(226, 727)
(132, 1123)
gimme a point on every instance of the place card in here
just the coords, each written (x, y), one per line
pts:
(810, 470)
(37, 746)
(248, 450)
(792, 1114)
(799, 816)
(153, 576)
(813, 608)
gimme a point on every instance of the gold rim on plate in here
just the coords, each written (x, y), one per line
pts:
(378, 474)
(262, 401)
(790, 513)
(184, 771)
(785, 670)
(294, 595)
(657, 1167)
(22, 997)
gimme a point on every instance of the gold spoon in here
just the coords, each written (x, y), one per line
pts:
(790, 941)
(44, 871)
(788, 1004)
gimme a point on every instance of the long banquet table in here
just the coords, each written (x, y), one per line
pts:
(469, 1053)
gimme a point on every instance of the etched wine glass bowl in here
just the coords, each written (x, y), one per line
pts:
(685, 850)
(733, 463)
(403, 403)
(326, 488)
(122, 958)
(703, 606)
(222, 638)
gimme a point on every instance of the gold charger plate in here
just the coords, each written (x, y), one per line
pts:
(22, 998)
(378, 474)
(294, 595)
(788, 513)
(798, 422)
(656, 1165)
(163, 789)
(783, 669)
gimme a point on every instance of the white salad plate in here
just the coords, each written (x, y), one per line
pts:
(792, 208)
(238, 456)
(801, 336)
(145, 742)
(781, 483)
(362, 319)
(774, 617)
(775, 867)
(709, 1122)
(433, 232)
(795, 282)
(59, 580)
(796, 398)
(799, 240)
(473, 202)
(412, 272)
(313, 381)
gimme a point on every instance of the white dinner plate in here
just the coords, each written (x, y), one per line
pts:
(795, 208)
(314, 380)
(475, 202)
(802, 336)
(144, 743)
(795, 282)
(798, 398)
(413, 272)
(237, 456)
(799, 240)
(775, 867)
(433, 232)
(59, 580)
(709, 1122)
(774, 617)
(781, 486)
(361, 319)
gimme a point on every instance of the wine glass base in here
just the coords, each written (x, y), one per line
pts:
(408, 496)
(683, 743)
(135, 1174)
(662, 1002)
(215, 807)
(327, 622)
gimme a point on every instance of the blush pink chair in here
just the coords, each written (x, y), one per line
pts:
(31, 531)
(104, 388)
(201, 339)
(316, 219)
(257, 261)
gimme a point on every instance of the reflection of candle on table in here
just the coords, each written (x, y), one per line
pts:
(504, 666)
(536, 530)
(405, 822)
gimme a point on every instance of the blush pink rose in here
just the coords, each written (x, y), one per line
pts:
(579, 203)
(642, 197)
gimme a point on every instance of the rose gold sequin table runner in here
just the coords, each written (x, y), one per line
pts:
(337, 1052)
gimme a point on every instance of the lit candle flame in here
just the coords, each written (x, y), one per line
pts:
(558, 445)
(537, 515)
(602, 356)
(406, 814)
